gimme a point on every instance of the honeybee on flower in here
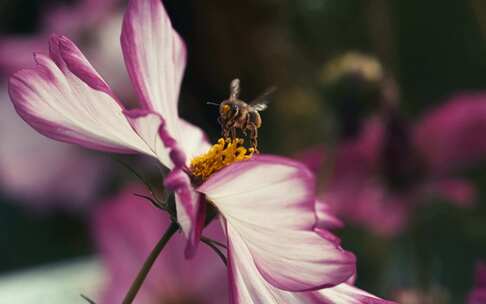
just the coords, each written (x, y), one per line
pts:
(235, 114)
(274, 252)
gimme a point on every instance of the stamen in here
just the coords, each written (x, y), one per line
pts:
(220, 155)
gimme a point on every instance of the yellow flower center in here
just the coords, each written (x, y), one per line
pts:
(220, 155)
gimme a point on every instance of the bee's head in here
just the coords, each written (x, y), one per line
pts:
(228, 109)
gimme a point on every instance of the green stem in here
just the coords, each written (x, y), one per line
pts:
(137, 283)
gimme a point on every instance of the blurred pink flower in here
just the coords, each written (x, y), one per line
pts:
(451, 136)
(96, 23)
(33, 169)
(74, 20)
(273, 249)
(478, 294)
(380, 177)
(126, 229)
(41, 173)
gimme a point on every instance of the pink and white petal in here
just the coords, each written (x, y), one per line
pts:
(147, 125)
(193, 140)
(189, 207)
(70, 59)
(325, 217)
(155, 57)
(60, 105)
(346, 294)
(247, 286)
(269, 202)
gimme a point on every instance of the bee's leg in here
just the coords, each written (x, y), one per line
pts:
(248, 124)
(254, 136)
(233, 133)
(228, 129)
(223, 127)
(225, 133)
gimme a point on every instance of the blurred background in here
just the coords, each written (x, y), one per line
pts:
(385, 100)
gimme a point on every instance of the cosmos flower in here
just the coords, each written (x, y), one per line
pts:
(125, 229)
(478, 294)
(273, 249)
(390, 168)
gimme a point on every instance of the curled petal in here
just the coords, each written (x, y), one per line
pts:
(59, 104)
(189, 207)
(268, 202)
(70, 59)
(247, 286)
(147, 125)
(325, 218)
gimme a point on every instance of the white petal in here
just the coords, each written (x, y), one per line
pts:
(155, 59)
(56, 102)
(147, 125)
(193, 140)
(269, 202)
(247, 286)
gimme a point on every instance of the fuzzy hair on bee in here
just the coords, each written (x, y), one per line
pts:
(236, 114)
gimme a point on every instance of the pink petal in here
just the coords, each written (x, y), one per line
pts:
(58, 104)
(247, 286)
(460, 192)
(371, 206)
(478, 294)
(481, 274)
(325, 218)
(39, 172)
(190, 210)
(313, 157)
(155, 57)
(147, 125)
(269, 202)
(346, 294)
(452, 135)
(69, 58)
(193, 140)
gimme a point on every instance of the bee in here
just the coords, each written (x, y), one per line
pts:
(235, 114)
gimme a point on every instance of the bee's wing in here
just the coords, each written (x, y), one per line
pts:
(261, 102)
(259, 106)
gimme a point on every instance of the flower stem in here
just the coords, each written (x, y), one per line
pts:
(147, 265)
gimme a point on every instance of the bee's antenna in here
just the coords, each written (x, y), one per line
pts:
(212, 103)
